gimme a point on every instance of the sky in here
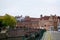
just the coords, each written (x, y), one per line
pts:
(33, 8)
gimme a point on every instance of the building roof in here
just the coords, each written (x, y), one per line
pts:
(45, 18)
(17, 16)
(35, 19)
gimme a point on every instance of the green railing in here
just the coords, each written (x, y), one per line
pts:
(37, 36)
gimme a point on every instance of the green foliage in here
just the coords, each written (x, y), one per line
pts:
(7, 20)
(1, 23)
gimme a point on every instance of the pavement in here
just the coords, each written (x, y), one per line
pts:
(55, 35)
(51, 35)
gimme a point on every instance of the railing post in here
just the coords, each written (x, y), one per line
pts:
(23, 37)
(30, 36)
(35, 35)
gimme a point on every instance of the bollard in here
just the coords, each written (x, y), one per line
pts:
(23, 37)
(30, 36)
(35, 35)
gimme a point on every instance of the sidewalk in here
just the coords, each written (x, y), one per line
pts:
(51, 35)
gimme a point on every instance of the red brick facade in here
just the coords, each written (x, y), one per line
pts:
(29, 22)
(37, 22)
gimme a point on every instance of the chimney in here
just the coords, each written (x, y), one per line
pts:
(41, 15)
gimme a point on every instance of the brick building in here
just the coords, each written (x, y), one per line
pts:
(54, 21)
(27, 21)
(37, 22)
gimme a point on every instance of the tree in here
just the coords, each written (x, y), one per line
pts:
(2, 24)
(9, 20)
(1, 21)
